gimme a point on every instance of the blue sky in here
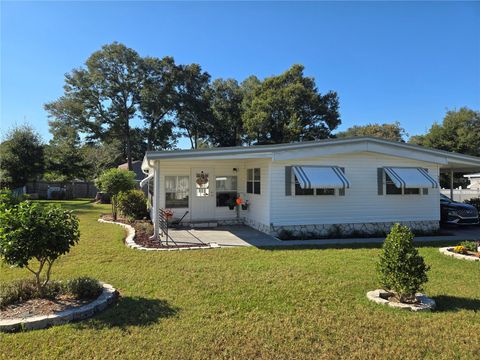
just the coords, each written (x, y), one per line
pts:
(405, 62)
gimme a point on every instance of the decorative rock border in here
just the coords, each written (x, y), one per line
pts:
(130, 240)
(107, 297)
(378, 296)
(447, 251)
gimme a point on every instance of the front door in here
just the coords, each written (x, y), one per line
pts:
(203, 194)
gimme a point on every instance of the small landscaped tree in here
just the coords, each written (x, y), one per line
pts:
(113, 182)
(401, 269)
(33, 236)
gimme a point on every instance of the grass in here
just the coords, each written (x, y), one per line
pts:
(249, 303)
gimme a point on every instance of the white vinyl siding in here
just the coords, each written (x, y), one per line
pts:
(361, 203)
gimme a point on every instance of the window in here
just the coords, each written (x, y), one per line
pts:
(253, 181)
(176, 191)
(392, 189)
(300, 191)
(226, 190)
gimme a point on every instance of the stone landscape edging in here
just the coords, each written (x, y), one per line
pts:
(427, 304)
(130, 240)
(447, 251)
(106, 298)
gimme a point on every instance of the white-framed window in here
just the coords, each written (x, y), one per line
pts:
(392, 189)
(226, 190)
(253, 181)
(176, 191)
(300, 192)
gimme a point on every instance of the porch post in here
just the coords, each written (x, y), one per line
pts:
(451, 184)
(156, 200)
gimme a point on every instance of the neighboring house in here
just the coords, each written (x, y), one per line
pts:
(474, 181)
(348, 185)
(136, 168)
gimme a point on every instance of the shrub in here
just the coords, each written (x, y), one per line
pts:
(133, 204)
(30, 232)
(401, 269)
(83, 288)
(285, 235)
(475, 202)
(8, 199)
(26, 289)
(113, 182)
(469, 245)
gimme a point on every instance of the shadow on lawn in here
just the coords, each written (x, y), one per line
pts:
(131, 311)
(446, 303)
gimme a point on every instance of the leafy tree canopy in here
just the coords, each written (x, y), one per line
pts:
(289, 107)
(392, 131)
(21, 157)
(226, 128)
(459, 132)
(101, 98)
(34, 236)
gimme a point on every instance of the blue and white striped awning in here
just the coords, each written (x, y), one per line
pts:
(320, 177)
(411, 177)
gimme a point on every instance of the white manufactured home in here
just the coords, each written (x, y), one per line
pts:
(343, 185)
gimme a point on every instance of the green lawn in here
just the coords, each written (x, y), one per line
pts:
(247, 303)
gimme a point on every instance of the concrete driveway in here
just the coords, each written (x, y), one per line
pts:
(241, 235)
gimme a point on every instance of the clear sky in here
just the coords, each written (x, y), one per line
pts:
(405, 62)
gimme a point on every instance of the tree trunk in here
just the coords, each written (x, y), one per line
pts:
(128, 141)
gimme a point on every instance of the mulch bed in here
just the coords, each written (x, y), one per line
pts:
(37, 307)
(142, 235)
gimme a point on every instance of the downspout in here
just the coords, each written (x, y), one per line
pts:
(156, 199)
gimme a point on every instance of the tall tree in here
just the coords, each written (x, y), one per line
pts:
(289, 107)
(64, 157)
(226, 128)
(21, 157)
(459, 132)
(392, 131)
(193, 108)
(102, 97)
(158, 99)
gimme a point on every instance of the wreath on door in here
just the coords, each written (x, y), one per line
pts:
(202, 179)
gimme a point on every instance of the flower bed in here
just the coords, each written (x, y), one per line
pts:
(450, 251)
(139, 232)
(41, 313)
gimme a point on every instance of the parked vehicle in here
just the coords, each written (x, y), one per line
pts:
(452, 212)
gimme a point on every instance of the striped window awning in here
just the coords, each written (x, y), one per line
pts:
(320, 177)
(411, 177)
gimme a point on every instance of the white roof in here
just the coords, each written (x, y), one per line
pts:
(320, 177)
(472, 175)
(445, 159)
(410, 177)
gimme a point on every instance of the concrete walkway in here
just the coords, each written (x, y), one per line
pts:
(242, 235)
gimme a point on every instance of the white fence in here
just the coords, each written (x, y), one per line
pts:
(462, 194)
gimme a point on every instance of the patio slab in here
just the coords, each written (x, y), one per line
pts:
(242, 235)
